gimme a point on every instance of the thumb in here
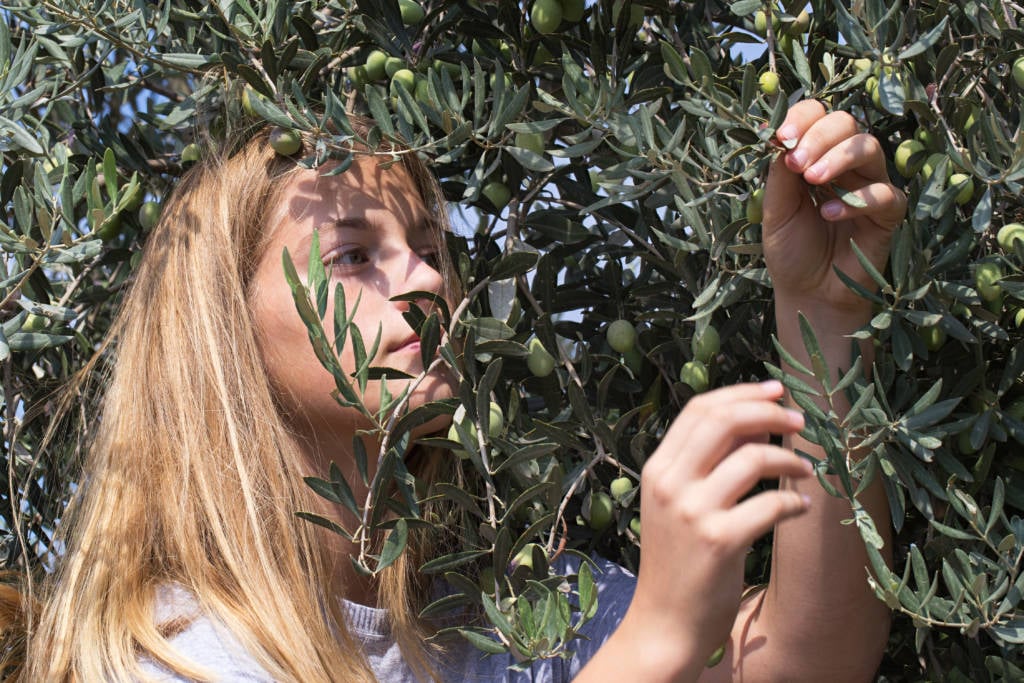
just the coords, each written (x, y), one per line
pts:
(785, 194)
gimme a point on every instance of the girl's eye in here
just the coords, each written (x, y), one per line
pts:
(347, 257)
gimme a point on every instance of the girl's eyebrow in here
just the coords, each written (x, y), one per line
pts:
(350, 222)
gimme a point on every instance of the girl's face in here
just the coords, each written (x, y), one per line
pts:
(376, 240)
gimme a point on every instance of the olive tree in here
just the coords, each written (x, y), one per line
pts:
(604, 161)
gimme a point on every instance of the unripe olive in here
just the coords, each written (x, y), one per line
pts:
(403, 78)
(285, 141)
(190, 153)
(34, 323)
(1008, 234)
(966, 191)
(705, 346)
(755, 206)
(695, 374)
(621, 487)
(601, 509)
(496, 420)
(393, 65)
(539, 361)
(909, 158)
(498, 194)
(524, 558)
(149, 215)
(862, 64)
(799, 25)
(932, 162)
(621, 335)
(110, 227)
(634, 526)
(412, 12)
(934, 337)
(769, 82)
(546, 15)
(375, 63)
(986, 280)
(1018, 72)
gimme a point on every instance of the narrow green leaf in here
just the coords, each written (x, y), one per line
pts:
(982, 216)
(322, 521)
(496, 616)
(482, 642)
(788, 358)
(925, 42)
(20, 136)
(675, 67)
(188, 61)
(849, 197)
(451, 561)
(998, 498)
(587, 592)
(110, 175)
(952, 533)
(515, 263)
(530, 160)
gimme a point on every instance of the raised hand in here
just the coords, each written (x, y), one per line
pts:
(698, 526)
(807, 228)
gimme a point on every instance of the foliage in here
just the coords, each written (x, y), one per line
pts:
(628, 143)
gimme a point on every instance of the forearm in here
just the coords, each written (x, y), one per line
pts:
(818, 590)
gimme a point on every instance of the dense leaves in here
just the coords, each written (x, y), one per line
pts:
(603, 172)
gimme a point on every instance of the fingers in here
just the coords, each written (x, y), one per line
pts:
(710, 427)
(757, 515)
(833, 144)
(829, 147)
(883, 203)
(799, 118)
(744, 467)
(833, 154)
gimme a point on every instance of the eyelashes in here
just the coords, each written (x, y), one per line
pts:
(347, 258)
(351, 258)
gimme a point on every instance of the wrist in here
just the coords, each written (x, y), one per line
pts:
(824, 318)
(661, 652)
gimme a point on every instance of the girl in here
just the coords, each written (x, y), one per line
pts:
(185, 560)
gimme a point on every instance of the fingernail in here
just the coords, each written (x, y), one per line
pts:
(799, 159)
(796, 418)
(772, 386)
(806, 499)
(809, 466)
(787, 136)
(818, 169)
(832, 209)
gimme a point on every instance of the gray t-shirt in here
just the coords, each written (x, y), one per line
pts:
(211, 646)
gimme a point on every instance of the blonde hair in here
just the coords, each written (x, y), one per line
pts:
(193, 476)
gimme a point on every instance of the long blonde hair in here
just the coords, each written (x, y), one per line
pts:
(193, 476)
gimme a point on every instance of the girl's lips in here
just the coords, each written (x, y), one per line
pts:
(410, 344)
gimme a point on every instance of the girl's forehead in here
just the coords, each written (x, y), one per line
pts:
(366, 190)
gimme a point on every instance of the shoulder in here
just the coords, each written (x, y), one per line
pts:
(200, 640)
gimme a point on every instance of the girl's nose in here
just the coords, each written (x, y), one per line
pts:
(422, 276)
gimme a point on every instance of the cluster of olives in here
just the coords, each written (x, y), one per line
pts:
(547, 15)
(912, 157)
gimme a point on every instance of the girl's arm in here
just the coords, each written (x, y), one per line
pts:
(818, 619)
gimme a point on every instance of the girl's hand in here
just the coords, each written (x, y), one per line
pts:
(803, 240)
(697, 526)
